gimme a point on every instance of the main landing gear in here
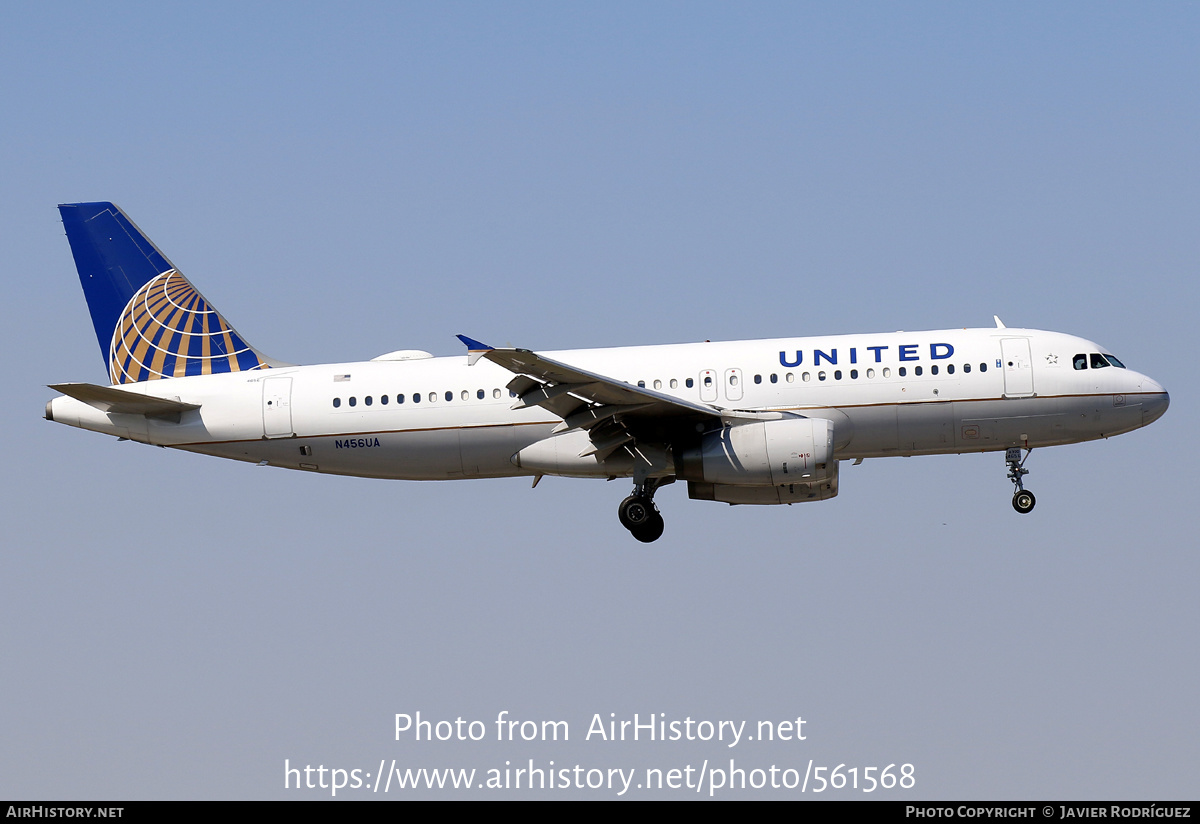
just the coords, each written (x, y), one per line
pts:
(638, 513)
(1023, 499)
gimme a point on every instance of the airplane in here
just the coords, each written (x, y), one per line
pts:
(743, 422)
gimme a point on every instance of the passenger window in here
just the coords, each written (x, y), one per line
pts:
(383, 399)
(983, 367)
(966, 367)
(853, 374)
(918, 371)
(641, 384)
(399, 399)
(466, 395)
(416, 397)
(449, 397)
(367, 400)
(337, 402)
(480, 394)
(870, 373)
(707, 381)
(806, 377)
(353, 401)
(949, 369)
(887, 371)
(820, 376)
(758, 378)
(674, 383)
(837, 374)
(733, 380)
(902, 371)
(790, 378)
(1079, 361)
(658, 384)
(690, 383)
(774, 378)
(1098, 361)
(496, 393)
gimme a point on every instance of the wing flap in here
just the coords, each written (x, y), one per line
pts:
(595, 416)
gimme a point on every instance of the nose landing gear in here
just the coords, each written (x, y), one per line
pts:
(1023, 500)
(639, 515)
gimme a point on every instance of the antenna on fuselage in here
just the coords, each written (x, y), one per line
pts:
(999, 323)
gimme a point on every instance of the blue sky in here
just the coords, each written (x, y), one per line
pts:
(342, 183)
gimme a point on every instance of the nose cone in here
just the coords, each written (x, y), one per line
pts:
(1154, 402)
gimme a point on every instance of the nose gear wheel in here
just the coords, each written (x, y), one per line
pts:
(1023, 500)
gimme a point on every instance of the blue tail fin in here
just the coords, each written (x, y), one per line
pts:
(150, 321)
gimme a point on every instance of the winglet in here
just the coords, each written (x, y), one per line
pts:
(475, 349)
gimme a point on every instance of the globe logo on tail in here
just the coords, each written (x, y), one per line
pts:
(168, 330)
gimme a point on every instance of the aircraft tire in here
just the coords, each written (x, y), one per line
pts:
(650, 531)
(1023, 501)
(635, 512)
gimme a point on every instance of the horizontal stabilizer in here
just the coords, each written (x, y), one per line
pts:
(121, 401)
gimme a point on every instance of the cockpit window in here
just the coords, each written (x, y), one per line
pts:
(1080, 361)
(1098, 361)
(1114, 361)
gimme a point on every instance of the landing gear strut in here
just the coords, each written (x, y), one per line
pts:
(1023, 499)
(638, 513)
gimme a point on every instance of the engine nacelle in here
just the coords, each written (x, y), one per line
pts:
(774, 453)
(819, 490)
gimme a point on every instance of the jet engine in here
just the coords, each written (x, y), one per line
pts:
(783, 461)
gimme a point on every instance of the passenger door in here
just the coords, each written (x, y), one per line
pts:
(1018, 367)
(277, 408)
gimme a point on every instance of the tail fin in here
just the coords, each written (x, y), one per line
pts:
(150, 321)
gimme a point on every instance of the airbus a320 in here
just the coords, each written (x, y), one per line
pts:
(743, 422)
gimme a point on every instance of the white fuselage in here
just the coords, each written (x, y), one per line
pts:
(903, 393)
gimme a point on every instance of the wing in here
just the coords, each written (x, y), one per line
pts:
(615, 414)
